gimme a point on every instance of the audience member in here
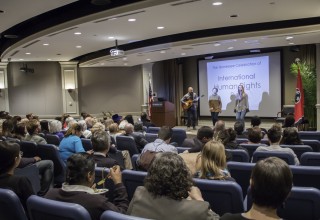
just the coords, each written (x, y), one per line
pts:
(44, 125)
(29, 116)
(255, 122)
(254, 135)
(129, 119)
(79, 187)
(290, 136)
(71, 143)
(7, 128)
(9, 160)
(145, 121)
(98, 126)
(274, 136)
(288, 121)
(20, 131)
(204, 134)
(101, 145)
(114, 131)
(166, 188)
(90, 121)
(63, 121)
(138, 128)
(55, 127)
(84, 115)
(138, 138)
(107, 123)
(116, 118)
(33, 128)
(85, 132)
(271, 183)
(239, 129)
(212, 162)
(219, 126)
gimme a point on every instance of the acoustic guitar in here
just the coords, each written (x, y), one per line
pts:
(188, 103)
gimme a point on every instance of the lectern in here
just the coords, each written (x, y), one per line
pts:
(163, 113)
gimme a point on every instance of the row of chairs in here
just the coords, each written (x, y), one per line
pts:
(40, 208)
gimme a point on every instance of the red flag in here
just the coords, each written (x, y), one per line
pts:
(150, 99)
(299, 100)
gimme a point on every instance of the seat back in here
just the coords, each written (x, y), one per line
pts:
(299, 149)
(308, 176)
(28, 148)
(223, 196)
(150, 137)
(302, 203)
(309, 135)
(52, 139)
(310, 159)
(127, 143)
(132, 179)
(314, 144)
(50, 152)
(40, 208)
(239, 155)
(153, 130)
(118, 156)
(241, 172)
(134, 159)
(86, 143)
(178, 135)
(251, 148)
(32, 173)
(10, 206)
(102, 173)
(265, 141)
(286, 156)
(111, 215)
(241, 140)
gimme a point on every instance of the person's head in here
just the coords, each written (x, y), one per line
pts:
(223, 137)
(98, 127)
(190, 90)
(129, 119)
(83, 125)
(214, 90)
(9, 156)
(64, 117)
(165, 133)
(138, 127)
(33, 126)
(144, 116)
(213, 158)
(29, 116)
(288, 121)
(20, 129)
(84, 115)
(80, 169)
(128, 128)
(239, 127)
(241, 89)
(274, 134)
(168, 176)
(75, 129)
(44, 125)
(7, 127)
(16, 119)
(114, 128)
(290, 136)
(204, 134)
(219, 126)
(108, 122)
(255, 121)
(254, 135)
(271, 182)
(100, 141)
(90, 121)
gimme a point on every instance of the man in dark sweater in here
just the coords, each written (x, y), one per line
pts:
(205, 134)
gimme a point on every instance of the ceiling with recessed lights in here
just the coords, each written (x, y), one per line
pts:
(151, 30)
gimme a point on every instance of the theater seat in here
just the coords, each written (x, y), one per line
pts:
(310, 159)
(239, 155)
(127, 143)
(10, 206)
(132, 179)
(298, 149)
(28, 148)
(52, 139)
(308, 176)
(286, 156)
(150, 137)
(178, 135)
(153, 130)
(45, 209)
(251, 148)
(111, 215)
(86, 143)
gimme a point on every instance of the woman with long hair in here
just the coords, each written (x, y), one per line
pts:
(242, 104)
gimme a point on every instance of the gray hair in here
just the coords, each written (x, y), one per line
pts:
(55, 126)
(83, 125)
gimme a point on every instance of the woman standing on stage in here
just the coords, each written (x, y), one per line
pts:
(215, 105)
(242, 105)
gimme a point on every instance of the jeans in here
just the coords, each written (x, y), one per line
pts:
(46, 175)
(240, 115)
(192, 117)
(214, 117)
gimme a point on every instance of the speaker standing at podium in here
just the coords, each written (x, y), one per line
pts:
(189, 102)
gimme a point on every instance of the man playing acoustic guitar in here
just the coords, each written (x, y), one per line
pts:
(189, 102)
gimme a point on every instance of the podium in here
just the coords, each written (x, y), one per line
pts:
(163, 113)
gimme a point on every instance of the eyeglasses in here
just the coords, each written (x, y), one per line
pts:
(21, 153)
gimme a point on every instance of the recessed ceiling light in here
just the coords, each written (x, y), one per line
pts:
(20, 59)
(183, 54)
(28, 53)
(148, 59)
(124, 58)
(78, 46)
(216, 44)
(111, 37)
(77, 33)
(217, 3)
(160, 28)
(45, 44)
(162, 51)
(48, 59)
(289, 37)
(291, 43)
(230, 48)
(132, 19)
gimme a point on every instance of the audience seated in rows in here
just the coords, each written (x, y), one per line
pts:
(71, 143)
(10, 159)
(166, 188)
(55, 127)
(271, 183)
(79, 188)
(212, 163)
(239, 129)
(290, 136)
(33, 128)
(138, 137)
(204, 134)
(219, 126)
(274, 137)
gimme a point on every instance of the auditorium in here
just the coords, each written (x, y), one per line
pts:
(149, 109)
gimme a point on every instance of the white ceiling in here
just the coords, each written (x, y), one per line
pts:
(192, 16)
